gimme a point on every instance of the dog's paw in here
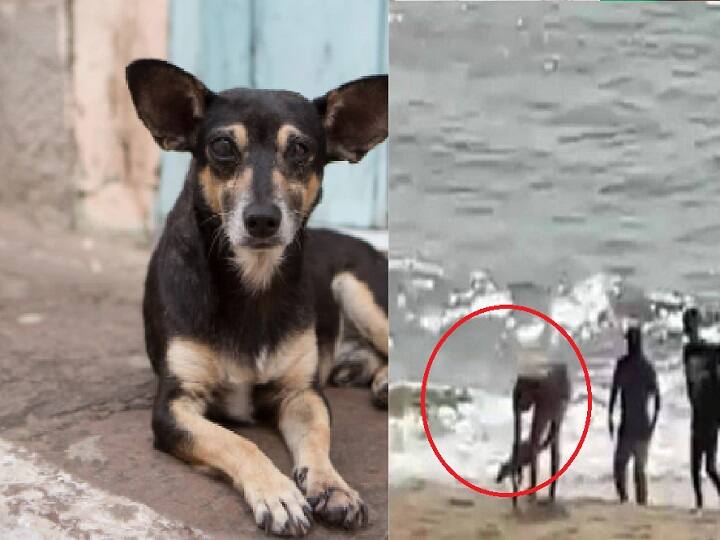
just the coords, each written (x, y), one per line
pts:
(331, 499)
(379, 388)
(278, 506)
(348, 373)
(354, 366)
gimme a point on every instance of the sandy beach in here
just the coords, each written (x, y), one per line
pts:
(421, 510)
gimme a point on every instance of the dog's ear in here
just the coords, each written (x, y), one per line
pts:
(169, 101)
(355, 117)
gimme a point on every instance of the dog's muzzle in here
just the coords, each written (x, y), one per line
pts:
(262, 221)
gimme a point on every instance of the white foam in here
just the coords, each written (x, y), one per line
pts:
(480, 437)
(416, 265)
(583, 309)
(530, 334)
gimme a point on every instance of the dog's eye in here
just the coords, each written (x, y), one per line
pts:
(298, 150)
(222, 149)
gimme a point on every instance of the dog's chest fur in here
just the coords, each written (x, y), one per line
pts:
(291, 365)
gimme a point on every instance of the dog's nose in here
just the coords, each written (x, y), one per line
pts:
(262, 220)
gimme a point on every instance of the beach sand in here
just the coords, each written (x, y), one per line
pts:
(421, 510)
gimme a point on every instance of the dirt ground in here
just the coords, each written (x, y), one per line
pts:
(425, 510)
(76, 390)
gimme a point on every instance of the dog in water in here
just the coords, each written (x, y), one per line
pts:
(547, 395)
(514, 465)
(242, 302)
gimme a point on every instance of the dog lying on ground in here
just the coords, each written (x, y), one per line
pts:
(547, 395)
(242, 304)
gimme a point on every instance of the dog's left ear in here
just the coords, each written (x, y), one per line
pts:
(355, 117)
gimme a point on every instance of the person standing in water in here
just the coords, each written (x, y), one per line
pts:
(636, 380)
(700, 360)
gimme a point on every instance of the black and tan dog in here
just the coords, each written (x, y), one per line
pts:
(243, 305)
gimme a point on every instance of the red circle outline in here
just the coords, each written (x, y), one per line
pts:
(423, 410)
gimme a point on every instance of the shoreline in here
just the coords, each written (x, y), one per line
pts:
(434, 510)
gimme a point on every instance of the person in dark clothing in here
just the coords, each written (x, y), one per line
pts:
(636, 380)
(701, 364)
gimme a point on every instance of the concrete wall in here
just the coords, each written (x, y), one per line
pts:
(72, 151)
(36, 144)
(118, 160)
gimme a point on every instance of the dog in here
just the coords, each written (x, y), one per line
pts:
(515, 464)
(702, 376)
(237, 288)
(548, 396)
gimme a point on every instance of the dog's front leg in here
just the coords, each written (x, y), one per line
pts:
(181, 429)
(276, 503)
(305, 424)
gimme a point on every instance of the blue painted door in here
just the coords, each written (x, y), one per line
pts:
(309, 46)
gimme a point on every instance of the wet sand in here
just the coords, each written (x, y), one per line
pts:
(425, 510)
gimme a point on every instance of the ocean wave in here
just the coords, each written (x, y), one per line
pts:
(472, 425)
(474, 437)
(428, 299)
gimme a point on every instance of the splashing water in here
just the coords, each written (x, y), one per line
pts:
(469, 405)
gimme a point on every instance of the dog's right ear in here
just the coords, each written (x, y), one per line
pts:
(169, 101)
